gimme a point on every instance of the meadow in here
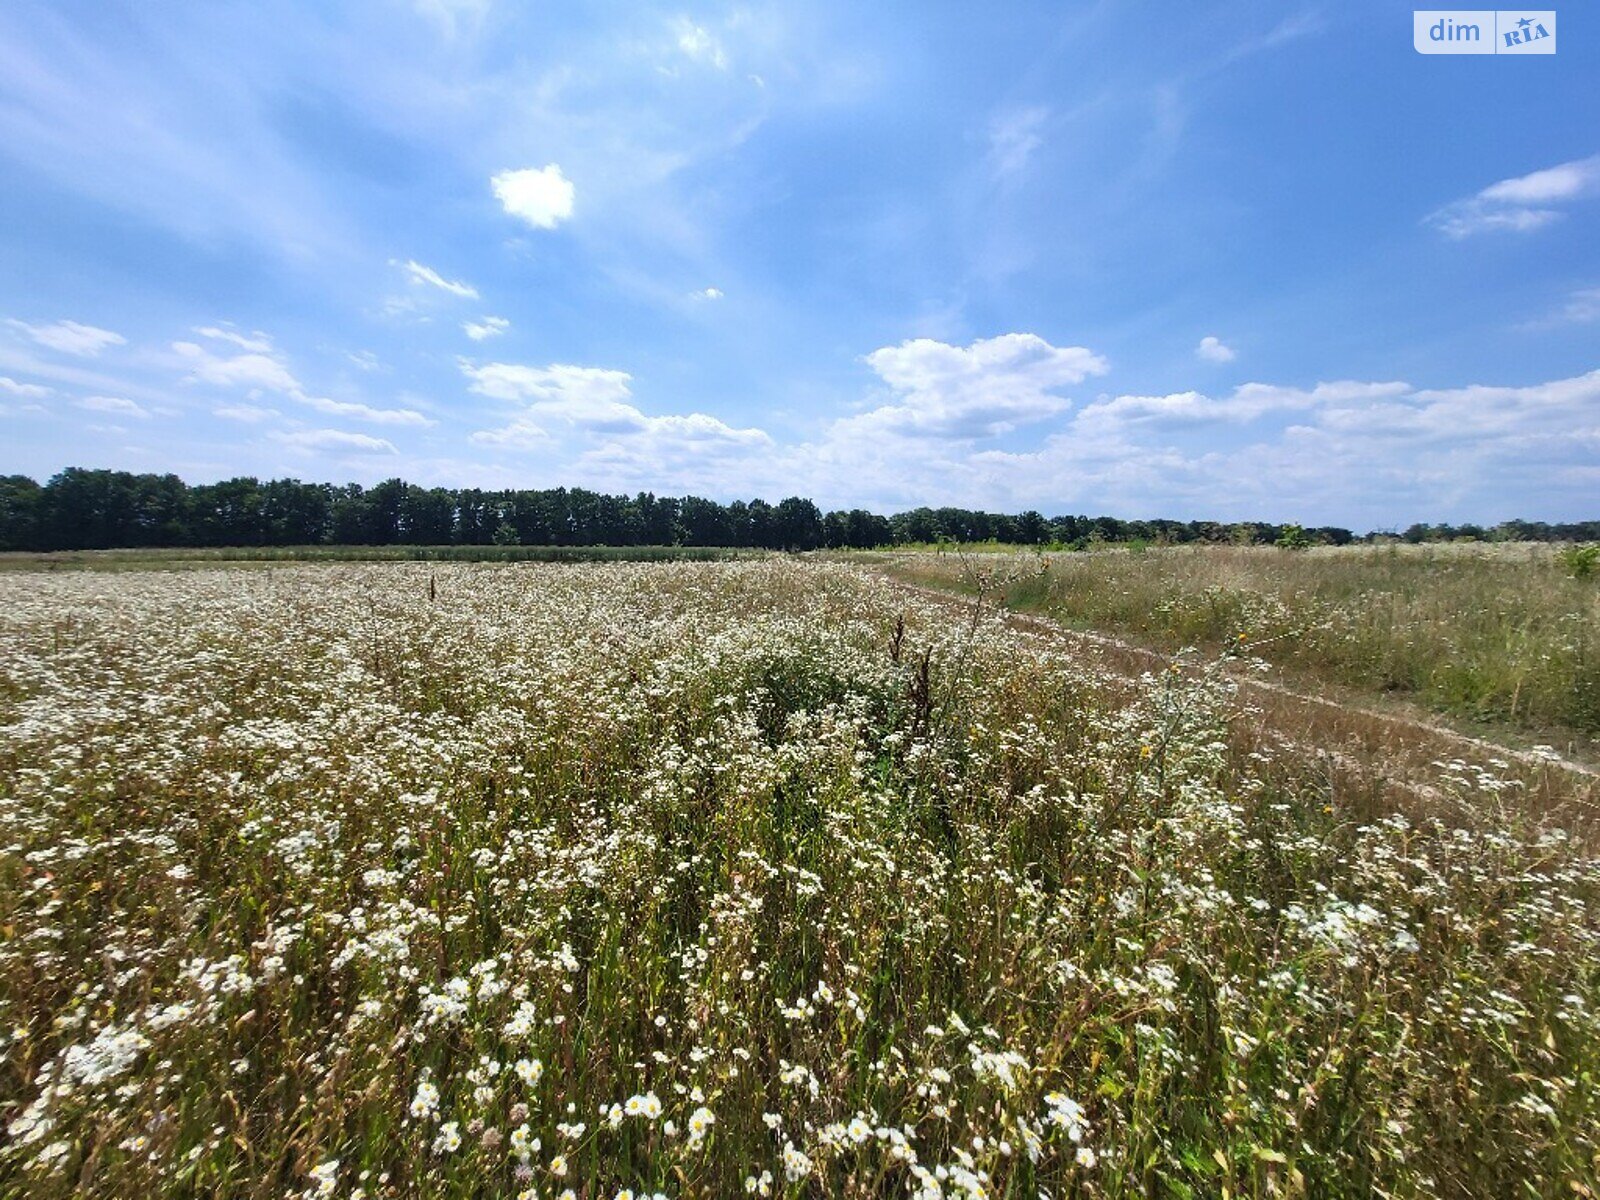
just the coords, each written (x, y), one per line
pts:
(1499, 635)
(766, 877)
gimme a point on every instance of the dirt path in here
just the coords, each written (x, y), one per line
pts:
(1359, 745)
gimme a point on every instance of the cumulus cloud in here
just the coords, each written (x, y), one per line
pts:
(1371, 454)
(543, 198)
(710, 293)
(117, 405)
(71, 337)
(593, 401)
(523, 433)
(432, 278)
(591, 396)
(336, 439)
(1524, 203)
(981, 390)
(1212, 349)
(487, 328)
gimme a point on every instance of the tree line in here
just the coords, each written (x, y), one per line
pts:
(82, 509)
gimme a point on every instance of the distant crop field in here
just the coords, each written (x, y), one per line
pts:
(1501, 634)
(761, 878)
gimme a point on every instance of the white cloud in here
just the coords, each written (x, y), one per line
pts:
(700, 45)
(365, 412)
(427, 275)
(1212, 350)
(592, 396)
(1521, 204)
(268, 372)
(1366, 454)
(366, 360)
(70, 337)
(695, 452)
(1582, 307)
(454, 17)
(29, 391)
(487, 328)
(593, 402)
(256, 343)
(1013, 138)
(982, 390)
(249, 414)
(241, 370)
(1565, 182)
(336, 439)
(710, 293)
(1248, 402)
(113, 404)
(543, 197)
(520, 434)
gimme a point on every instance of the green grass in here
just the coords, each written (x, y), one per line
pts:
(1503, 635)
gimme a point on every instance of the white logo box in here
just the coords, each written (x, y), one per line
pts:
(1484, 31)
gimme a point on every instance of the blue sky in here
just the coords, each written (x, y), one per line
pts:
(1240, 260)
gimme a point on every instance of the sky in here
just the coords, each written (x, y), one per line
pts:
(1218, 260)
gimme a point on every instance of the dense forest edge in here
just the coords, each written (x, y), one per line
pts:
(82, 509)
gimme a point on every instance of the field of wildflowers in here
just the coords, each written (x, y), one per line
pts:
(714, 879)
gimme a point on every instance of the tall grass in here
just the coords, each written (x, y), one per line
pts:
(1500, 634)
(705, 880)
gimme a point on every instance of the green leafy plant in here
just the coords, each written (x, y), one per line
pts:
(1293, 537)
(1580, 561)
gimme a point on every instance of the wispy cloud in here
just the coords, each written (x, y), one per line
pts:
(487, 328)
(427, 275)
(698, 44)
(71, 337)
(256, 343)
(249, 414)
(1014, 136)
(336, 439)
(454, 18)
(27, 391)
(257, 372)
(1521, 204)
(1582, 307)
(116, 405)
